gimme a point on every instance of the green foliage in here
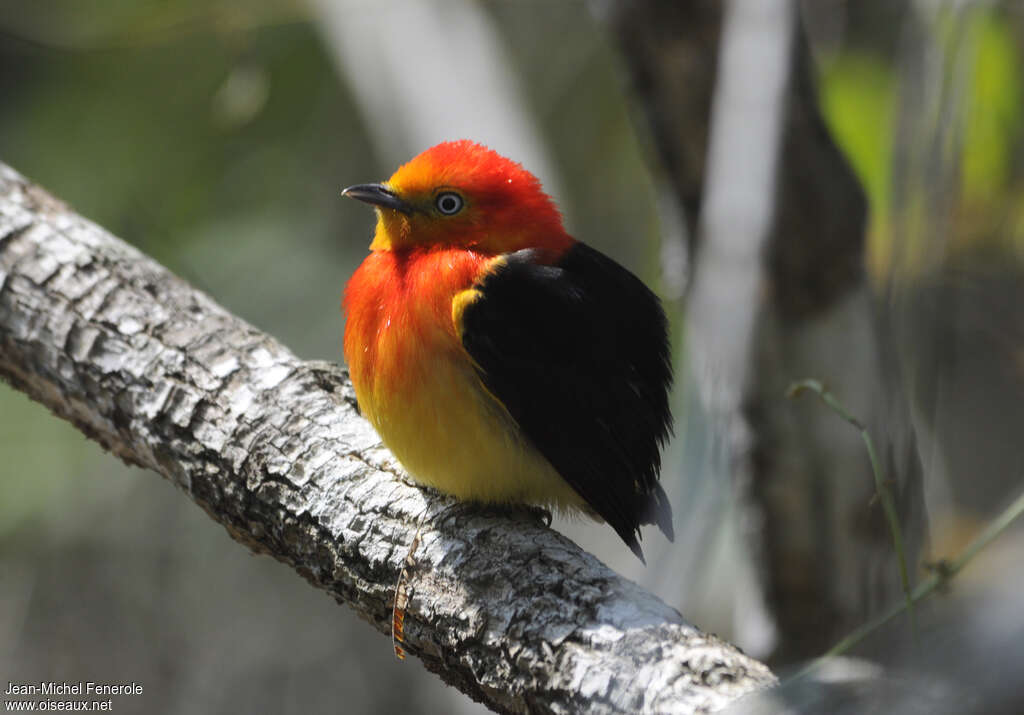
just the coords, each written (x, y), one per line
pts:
(858, 100)
(971, 127)
(994, 114)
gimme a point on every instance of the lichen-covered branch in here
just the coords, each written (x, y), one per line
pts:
(505, 609)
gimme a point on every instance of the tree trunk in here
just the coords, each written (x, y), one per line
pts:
(775, 301)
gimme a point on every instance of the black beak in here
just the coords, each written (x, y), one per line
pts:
(378, 195)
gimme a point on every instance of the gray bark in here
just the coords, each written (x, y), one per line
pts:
(508, 611)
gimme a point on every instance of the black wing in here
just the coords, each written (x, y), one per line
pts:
(578, 353)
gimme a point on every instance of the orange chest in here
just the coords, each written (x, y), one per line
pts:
(398, 309)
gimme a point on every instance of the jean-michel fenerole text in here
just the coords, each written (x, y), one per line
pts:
(79, 688)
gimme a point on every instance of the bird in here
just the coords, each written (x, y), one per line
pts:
(502, 361)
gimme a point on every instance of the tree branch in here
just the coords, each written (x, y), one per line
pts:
(508, 611)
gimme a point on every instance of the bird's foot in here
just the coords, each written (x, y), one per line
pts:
(539, 513)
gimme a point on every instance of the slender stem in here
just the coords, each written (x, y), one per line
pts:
(940, 578)
(884, 494)
(889, 505)
(995, 527)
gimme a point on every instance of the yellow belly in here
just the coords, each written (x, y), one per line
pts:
(451, 435)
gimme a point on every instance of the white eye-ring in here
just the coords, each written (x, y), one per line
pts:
(449, 203)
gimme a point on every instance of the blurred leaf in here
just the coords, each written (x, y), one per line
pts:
(858, 99)
(994, 112)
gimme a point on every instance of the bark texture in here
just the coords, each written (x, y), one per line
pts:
(503, 608)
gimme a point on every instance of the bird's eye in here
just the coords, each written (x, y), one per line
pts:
(449, 203)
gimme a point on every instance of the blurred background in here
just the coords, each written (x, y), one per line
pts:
(216, 136)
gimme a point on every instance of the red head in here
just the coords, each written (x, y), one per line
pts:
(462, 194)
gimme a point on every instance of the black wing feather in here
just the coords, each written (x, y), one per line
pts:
(578, 353)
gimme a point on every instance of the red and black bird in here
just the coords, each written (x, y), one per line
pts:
(501, 360)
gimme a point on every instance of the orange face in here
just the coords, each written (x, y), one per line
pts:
(462, 194)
